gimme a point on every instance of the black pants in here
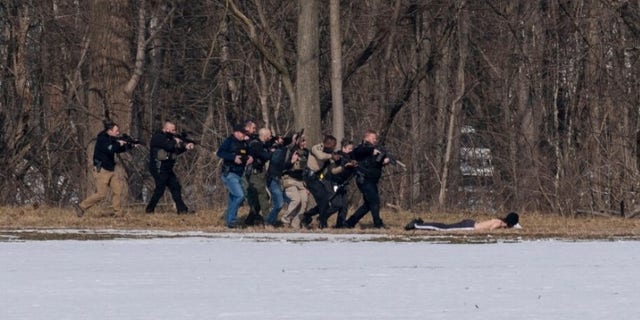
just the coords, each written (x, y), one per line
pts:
(321, 195)
(464, 224)
(163, 180)
(337, 204)
(371, 197)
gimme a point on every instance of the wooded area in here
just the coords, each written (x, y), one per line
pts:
(492, 104)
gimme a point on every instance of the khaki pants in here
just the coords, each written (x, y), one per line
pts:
(105, 180)
(299, 197)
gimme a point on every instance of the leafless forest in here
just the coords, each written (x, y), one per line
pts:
(491, 104)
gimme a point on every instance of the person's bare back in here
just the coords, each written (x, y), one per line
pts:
(509, 221)
(491, 224)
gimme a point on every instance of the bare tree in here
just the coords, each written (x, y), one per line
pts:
(457, 102)
(336, 70)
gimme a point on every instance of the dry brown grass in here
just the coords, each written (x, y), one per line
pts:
(535, 225)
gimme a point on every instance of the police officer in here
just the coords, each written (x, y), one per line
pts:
(281, 160)
(235, 155)
(107, 145)
(370, 163)
(317, 163)
(165, 147)
(336, 179)
(257, 195)
(293, 182)
(340, 175)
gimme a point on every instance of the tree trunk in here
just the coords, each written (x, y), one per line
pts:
(307, 112)
(457, 102)
(111, 54)
(336, 70)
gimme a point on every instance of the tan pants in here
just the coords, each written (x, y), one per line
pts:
(299, 197)
(105, 180)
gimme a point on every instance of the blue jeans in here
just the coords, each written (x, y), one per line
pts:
(277, 200)
(233, 182)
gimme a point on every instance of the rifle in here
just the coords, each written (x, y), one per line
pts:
(294, 140)
(273, 142)
(384, 153)
(129, 139)
(184, 136)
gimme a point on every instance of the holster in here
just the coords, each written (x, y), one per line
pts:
(360, 177)
(309, 174)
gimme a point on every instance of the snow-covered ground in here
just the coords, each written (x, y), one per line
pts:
(237, 276)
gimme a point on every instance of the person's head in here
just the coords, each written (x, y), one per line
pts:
(111, 128)
(347, 146)
(371, 136)
(239, 132)
(169, 127)
(250, 127)
(329, 144)
(264, 134)
(512, 220)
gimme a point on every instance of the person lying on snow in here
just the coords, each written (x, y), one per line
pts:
(510, 221)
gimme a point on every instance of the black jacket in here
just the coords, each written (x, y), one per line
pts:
(279, 163)
(369, 167)
(229, 149)
(260, 153)
(164, 141)
(346, 173)
(105, 149)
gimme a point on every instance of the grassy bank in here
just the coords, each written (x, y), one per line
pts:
(535, 226)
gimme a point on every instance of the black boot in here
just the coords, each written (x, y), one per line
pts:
(412, 225)
(305, 221)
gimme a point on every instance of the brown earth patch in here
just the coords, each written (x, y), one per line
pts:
(26, 221)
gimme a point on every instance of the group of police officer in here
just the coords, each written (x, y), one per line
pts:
(259, 166)
(265, 170)
(165, 146)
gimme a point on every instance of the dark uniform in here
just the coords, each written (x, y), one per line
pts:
(256, 192)
(317, 163)
(162, 158)
(340, 176)
(232, 175)
(368, 173)
(279, 163)
(335, 181)
(103, 171)
(105, 149)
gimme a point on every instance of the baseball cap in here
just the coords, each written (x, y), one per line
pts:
(239, 128)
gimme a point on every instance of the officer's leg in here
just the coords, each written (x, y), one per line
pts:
(260, 182)
(176, 193)
(340, 201)
(161, 183)
(277, 200)
(102, 188)
(117, 185)
(236, 195)
(362, 210)
(373, 198)
(251, 194)
(317, 190)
